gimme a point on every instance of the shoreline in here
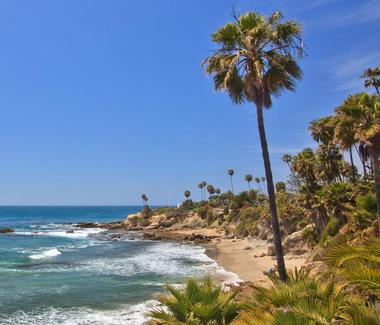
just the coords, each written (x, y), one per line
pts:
(244, 257)
(239, 259)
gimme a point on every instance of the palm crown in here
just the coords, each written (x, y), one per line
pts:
(256, 58)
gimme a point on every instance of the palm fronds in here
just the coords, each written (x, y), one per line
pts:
(359, 265)
(198, 302)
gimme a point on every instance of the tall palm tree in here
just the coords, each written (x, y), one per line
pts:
(258, 180)
(371, 78)
(345, 137)
(187, 194)
(200, 186)
(256, 60)
(144, 198)
(364, 112)
(248, 178)
(322, 129)
(287, 158)
(210, 189)
(204, 183)
(231, 172)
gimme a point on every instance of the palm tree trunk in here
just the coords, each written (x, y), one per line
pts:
(249, 186)
(352, 165)
(271, 195)
(232, 185)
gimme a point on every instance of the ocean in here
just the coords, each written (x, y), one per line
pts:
(51, 276)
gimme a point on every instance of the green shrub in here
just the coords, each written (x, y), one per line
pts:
(332, 228)
(210, 217)
(202, 211)
(367, 202)
(147, 212)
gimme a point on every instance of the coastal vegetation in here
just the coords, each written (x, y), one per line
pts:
(331, 199)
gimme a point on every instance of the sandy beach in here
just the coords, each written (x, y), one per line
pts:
(244, 257)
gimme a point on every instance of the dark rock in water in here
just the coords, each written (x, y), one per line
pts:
(87, 225)
(6, 230)
(70, 231)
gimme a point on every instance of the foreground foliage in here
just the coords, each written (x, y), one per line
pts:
(200, 302)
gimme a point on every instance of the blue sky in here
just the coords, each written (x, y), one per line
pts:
(103, 100)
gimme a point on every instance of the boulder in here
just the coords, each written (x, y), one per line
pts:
(6, 230)
(296, 243)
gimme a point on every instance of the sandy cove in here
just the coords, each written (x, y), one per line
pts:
(238, 256)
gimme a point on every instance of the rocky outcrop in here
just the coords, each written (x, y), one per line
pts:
(170, 235)
(6, 230)
(296, 242)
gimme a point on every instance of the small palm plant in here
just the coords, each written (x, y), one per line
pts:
(358, 264)
(302, 299)
(199, 302)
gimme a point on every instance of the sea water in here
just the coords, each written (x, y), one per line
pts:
(54, 273)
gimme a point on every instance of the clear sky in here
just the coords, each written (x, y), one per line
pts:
(103, 100)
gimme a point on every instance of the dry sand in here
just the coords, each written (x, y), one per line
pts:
(235, 256)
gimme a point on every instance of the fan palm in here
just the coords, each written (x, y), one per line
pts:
(210, 189)
(144, 198)
(200, 302)
(231, 172)
(363, 111)
(345, 137)
(248, 178)
(200, 186)
(322, 129)
(256, 60)
(187, 194)
(287, 158)
(371, 78)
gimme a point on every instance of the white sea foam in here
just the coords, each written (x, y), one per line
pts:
(46, 254)
(163, 258)
(76, 233)
(131, 315)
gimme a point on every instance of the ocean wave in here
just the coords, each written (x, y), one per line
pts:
(69, 233)
(165, 259)
(131, 315)
(46, 254)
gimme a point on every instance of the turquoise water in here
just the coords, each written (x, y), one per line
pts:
(51, 276)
